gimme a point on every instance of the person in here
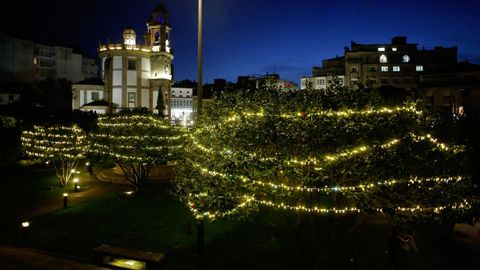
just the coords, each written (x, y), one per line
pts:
(407, 246)
(393, 249)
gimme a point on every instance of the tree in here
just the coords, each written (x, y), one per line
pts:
(136, 141)
(335, 151)
(61, 146)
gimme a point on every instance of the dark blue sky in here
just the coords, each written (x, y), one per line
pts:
(248, 37)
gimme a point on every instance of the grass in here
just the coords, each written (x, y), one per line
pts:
(156, 221)
(24, 185)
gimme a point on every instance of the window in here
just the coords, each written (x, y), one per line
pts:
(383, 58)
(396, 81)
(396, 69)
(372, 69)
(406, 58)
(381, 49)
(372, 80)
(419, 68)
(353, 81)
(320, 81)
(394, 49)
(95, 96)
(132, 64)
(131, 99)
(384, 68)
(384, 80)
(354, 69)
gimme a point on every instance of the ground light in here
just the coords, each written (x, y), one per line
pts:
(76, 187)
(65, 200)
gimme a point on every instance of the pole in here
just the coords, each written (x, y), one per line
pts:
(200, 60)
(200, 243)
(65, 200)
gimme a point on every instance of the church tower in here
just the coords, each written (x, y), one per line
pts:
(158, 38)
(136, 74)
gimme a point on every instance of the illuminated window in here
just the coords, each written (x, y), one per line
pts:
(406, 58)
(131, 99)
(396, 68)
(381, 49)
(419, 68)
(384, 68)
(35, 60)
(383, 58)
(394, 49)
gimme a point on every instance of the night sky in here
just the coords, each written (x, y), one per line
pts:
(251, 37)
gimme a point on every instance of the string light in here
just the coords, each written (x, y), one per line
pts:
(360, 187)
(345, 154)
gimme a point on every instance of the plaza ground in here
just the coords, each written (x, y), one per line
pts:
(155, 220)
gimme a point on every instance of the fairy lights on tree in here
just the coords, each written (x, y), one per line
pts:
(337, 151)
(136, 142)
(61, 146)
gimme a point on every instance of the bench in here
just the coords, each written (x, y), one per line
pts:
(124, 258)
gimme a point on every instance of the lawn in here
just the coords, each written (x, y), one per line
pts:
(27, 185)
(157, 221)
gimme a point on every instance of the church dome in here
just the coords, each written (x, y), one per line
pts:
(159, 15)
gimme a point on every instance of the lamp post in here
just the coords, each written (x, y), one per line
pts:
(65, 200)
(24, 234)
(200, 224)
(199, 63)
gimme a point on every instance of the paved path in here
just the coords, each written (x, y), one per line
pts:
(95, 188)
(12, 258)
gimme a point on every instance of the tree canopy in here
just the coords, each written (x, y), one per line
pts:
(136, 142)
(336, 151)
(61, 146)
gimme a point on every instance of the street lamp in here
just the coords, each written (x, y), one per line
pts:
(200, 60)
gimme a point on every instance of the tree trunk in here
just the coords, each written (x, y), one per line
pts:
(200, 243)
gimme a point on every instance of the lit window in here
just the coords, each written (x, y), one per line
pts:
(383, 58)
(406, 59)
(419, 68)
(384, 68)
(131, 99)
(396, 68)
(381, 49)
(394, 49)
